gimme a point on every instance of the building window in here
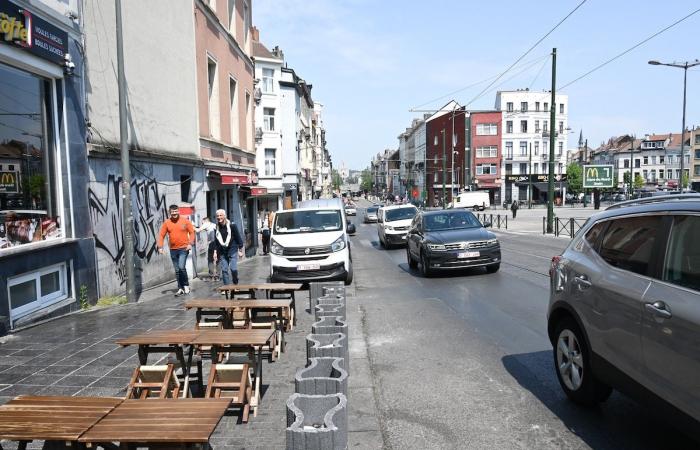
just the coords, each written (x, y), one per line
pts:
(270, 158)
(697, 139)
(490, 151)
(669, 174)
(30, 199)
(486, 129)
(523, 106)
(248, 120)
(546, 107)
(537, 126)
(536, 169)
(537, 106)
(653, 175)
(537, 148)
(509, 126)
(653, 159)
(213, 91)
(661, 159)
(269, 119)
(561, 127)
(626, 164)
(232, 17)
(233, 103)
(523, 126)
(435, 177)
(523, 148)
(523, 168)
(561, 108)
(645, 175)
(268, 79)
(36, 290)
(637, 163)
(509, 149)
(509, 106)
(646, 160)
(246, 22)
(561, 148)
(696, 170)
(486, 169)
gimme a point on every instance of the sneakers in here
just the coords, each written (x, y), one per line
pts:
(179, 292)
(187, 289)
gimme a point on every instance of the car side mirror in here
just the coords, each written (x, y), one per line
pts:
(351, 228)
(487, 224)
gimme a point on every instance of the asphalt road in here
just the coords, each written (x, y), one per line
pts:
(462, 360)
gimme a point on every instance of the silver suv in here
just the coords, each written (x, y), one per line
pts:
(624, 308)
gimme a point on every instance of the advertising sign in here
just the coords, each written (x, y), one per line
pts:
(598, 176)
(21, 28)
(9, 182)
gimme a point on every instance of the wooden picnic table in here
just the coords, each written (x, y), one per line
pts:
(223, 307)
(61, 419)
(271, 290)
(159, 421)
(232, 340)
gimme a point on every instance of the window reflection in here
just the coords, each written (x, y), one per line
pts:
(27, 197)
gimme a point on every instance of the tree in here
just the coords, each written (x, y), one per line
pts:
(684, 183)
(336, 180)
(573, 177)
(638, 181)
(366, 183)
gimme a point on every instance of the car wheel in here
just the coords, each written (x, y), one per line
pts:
(493, 268)
(411, 262)
(348, 277)
(573, 367)
(381, 242)
(425, 266)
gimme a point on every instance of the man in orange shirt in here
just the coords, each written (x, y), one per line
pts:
(180, 239)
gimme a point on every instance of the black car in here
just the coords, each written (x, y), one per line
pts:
(451, 239)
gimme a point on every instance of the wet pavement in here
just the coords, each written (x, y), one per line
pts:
(77, 355)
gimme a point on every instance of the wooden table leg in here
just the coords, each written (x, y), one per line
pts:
(258, 382)
(185, 367)
(143, 354)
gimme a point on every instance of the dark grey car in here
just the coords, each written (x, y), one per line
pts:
(451, 239)
(624, 308)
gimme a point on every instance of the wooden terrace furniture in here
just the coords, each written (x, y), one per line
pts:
(55, 419)
(167, 341)
(165, 422)
(154, 382)
(234, 341)
(283, 309)
(231, 381)
(272, 290)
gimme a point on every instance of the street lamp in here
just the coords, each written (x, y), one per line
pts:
(684, 66)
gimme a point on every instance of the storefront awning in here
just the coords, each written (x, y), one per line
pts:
(242, 178)
(257, 191)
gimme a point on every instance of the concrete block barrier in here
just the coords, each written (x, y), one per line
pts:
(316, 290)
(317, 422)
(328, 345)
(323, 376)
(330, 325)
(333, 309)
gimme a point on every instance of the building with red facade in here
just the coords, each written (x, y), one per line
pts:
(444, 153)
(486, 152)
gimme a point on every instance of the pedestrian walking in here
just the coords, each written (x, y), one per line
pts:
(265, 232)
(229, 247)
(180, 240)
(210, 229)
(514, 208)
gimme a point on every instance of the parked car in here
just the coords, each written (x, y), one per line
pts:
(451, 239)
(371, 214)
(393, 223)
(624, 309)
(311, 243)
(350, 209)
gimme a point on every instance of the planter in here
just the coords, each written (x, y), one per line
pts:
(328, 345)
(333, 309)
(322, 377)
(330, 325)
(316, 290)
(317, 422)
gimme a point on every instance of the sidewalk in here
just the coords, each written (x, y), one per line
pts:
(529, 221)
(76, 355)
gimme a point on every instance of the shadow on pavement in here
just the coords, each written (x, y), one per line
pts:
(617, 423)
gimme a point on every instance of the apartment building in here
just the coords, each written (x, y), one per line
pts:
(485, 152)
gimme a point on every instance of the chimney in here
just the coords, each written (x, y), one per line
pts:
(255, 32)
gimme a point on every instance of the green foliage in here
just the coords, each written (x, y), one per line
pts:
(638, 181)
(36, 185)
(684, 183)
(626, 178)
(366, 183)
(110, 301)
(83, 297)
(574, 178)
(336, 179)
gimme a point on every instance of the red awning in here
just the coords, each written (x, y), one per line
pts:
(258, 190)
(241, 178)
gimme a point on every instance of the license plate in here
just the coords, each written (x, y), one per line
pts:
(403, 237)
(302, 267)
(468, 255)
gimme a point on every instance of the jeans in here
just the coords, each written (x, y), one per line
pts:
(266, 241)
(229, 266)
(179, 258)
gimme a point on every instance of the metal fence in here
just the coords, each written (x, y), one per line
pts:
(565, 226)
(497, 220)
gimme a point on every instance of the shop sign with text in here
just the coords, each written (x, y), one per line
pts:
(9, 182)
(21, 28)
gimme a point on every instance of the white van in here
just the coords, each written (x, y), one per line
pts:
(393, 223)
(472, 199)
(311, 243)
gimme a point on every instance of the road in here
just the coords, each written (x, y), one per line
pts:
(462, 360)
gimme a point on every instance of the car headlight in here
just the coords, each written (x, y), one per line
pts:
(436, 246)
(389, 227)
(275, 248)
(492, 242)
(339, 244)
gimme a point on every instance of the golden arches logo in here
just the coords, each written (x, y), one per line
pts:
(7, 178)
(592, 172)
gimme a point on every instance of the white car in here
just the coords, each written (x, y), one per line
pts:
(350, 210)
(393, 223)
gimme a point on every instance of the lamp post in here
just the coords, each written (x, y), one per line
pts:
(685, 66)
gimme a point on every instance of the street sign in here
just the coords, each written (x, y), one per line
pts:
(598, 176)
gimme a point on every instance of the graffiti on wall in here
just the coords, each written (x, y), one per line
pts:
(149, 210)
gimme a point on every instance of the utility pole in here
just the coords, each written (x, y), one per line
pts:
(444, 169)
(631, 179)
(529, 180)
(552, 139)
(685, 81)
(127, 217)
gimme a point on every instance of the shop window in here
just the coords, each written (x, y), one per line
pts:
(28, 190)
(35, 290)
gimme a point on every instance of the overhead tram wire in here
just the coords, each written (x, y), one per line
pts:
(538, 74)
(507, 80)
(526, 64)
(527, 52)
(559, 88)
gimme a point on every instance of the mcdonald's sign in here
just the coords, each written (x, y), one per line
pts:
(598, 176)
(9, 182)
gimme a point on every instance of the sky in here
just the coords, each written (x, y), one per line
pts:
(371, 61)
